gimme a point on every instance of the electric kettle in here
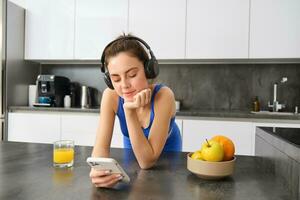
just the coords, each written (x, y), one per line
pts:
(85, 100)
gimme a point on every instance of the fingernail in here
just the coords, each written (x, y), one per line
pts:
(118, 176)
(107, 172)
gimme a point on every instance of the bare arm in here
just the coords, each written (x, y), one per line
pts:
(148, 151)
(105, 125)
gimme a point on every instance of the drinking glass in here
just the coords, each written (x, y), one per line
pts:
(63, 153)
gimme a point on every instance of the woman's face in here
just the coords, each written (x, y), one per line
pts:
(127, 75)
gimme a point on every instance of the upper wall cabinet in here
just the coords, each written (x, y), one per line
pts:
(217, 29)
(161, 24)
(49, 32)
(275, 29)
(97, 22)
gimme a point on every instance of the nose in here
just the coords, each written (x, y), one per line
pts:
(125, 83)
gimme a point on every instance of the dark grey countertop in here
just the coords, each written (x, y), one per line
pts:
(291, 135)
(222, 114)
(26, 173)
(286, 140)
(52, 109)
(281, 147)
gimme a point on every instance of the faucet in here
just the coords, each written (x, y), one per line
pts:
(276, 106)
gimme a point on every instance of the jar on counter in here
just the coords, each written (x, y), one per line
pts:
(67, 101)
(255, 104)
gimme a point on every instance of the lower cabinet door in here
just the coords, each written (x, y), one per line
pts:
(117, 137)
(81, 128)
(33, 127)
(241, 133)
(179, 124)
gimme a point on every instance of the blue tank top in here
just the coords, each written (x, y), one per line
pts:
(173, 143)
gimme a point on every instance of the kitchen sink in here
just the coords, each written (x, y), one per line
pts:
(273, 113)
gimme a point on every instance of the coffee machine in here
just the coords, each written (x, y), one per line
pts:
(51, 90)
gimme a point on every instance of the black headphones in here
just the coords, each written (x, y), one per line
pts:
(150, 66)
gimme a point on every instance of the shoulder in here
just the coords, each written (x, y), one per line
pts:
(165, 93)
(110, 99)
(165, 100)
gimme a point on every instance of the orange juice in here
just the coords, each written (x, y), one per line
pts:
(63, 155)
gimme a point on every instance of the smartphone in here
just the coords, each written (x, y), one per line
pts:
(108, 164)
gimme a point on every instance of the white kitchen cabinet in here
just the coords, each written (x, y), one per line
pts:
(49, 127)
(217, 29)
(97, 22)
(49, 29)
(117, 137)
(241, 133)
(161, 24)
(275, 29)
(33, 127)
(81, 128)
(179, 123)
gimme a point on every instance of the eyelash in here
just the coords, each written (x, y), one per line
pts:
(130, 76)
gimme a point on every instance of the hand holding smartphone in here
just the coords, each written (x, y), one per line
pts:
(108, 164)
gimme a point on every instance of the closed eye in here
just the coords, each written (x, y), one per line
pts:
(115, 78)
(132, 75)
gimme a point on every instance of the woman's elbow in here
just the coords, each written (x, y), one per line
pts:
(146, 165)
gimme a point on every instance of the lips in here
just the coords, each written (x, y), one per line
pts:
(128, 94)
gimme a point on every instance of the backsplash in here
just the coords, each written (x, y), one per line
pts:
(209, 86)
(232, 87)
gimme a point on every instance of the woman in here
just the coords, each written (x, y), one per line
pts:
(146, 111)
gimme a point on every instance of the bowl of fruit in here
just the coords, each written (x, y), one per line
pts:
(215, 159)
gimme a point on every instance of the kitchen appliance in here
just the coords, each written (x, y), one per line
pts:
(75, 94)
(2, 64)
(85, 101)
(52, 90)
(16, 73)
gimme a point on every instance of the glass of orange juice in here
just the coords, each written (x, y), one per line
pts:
(63, 153)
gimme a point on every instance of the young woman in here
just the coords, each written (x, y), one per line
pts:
(146, 111)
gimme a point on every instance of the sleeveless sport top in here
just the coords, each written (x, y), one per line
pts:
(173, 143)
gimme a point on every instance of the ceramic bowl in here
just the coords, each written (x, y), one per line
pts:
(210, 170)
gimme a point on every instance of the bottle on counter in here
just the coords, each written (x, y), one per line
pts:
(67, 101)
(255, 104)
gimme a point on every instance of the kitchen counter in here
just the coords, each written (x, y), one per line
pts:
(281, 146)
(26, 173)
(52, 109)
(182, 114)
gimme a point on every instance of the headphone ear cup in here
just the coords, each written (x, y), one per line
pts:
(151, 68)
(107, 80)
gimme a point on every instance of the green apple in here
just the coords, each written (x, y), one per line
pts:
(212, 151)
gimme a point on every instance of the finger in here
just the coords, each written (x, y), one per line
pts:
(143, 98)
(138, 101)
(110, 182)
(148, 94)
(98, 173)
(114, 181)
(129, 105)
(103, 179)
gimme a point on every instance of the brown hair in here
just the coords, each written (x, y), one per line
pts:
(131, 46)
